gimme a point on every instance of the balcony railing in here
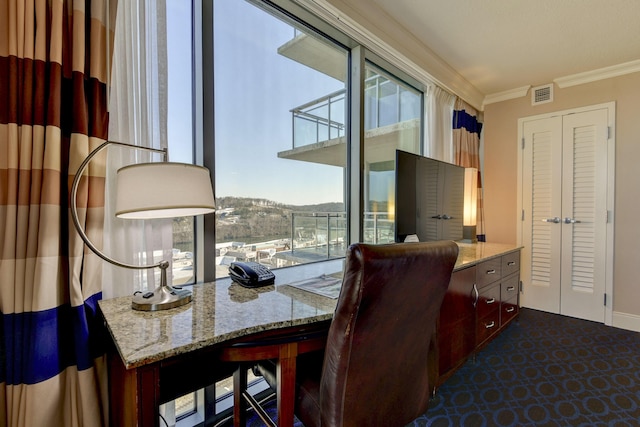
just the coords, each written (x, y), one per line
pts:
(378, 228)
(323, 119)
(315, 236)
(319, 120)
(326, 232)
(321, 233)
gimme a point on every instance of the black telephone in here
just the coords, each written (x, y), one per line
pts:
(251, 274)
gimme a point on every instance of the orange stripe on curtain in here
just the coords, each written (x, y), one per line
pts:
(466, 147)
(54, 58)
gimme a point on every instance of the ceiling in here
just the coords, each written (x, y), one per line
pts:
(501, 45)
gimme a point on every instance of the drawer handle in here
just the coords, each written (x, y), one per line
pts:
(511, 263)
(511, 288)
(490, 325)
(491, 301)
(476, 295)
(491, 271)
(510, 309)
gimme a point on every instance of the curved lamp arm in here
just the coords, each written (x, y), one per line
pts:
(74, 207)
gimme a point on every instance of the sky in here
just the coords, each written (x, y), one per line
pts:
(255, 89)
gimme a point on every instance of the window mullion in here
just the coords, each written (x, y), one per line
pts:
(355, 150)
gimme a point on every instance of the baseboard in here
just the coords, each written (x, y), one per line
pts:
(626, 321)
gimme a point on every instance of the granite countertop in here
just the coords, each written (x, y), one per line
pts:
(223, 311)
(473, 253)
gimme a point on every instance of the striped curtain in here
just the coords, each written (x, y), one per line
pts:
(54, 60)
(466, 147)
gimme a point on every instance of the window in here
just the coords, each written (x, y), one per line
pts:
(392, 111)
(180, 124)
(280, 147)
(274, 129)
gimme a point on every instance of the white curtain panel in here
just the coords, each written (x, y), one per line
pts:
(137, 115)
(439, 116)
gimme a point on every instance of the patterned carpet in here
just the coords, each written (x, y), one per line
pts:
(543, 370)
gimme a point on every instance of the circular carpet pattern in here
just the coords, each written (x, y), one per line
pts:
(542, 370)
(545, 370)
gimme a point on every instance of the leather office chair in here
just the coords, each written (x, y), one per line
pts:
(374, 370)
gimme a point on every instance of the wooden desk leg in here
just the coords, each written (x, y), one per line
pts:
(134, 394)
(286, 375)
(239, 404)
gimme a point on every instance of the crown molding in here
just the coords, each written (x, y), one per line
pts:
(426, 66)
(518, 92)
(599, 74)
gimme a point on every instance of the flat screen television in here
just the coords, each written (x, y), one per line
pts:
(429, 198)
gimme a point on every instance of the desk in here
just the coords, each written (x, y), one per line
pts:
(158, 356)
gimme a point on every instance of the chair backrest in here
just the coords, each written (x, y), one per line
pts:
(375, 369)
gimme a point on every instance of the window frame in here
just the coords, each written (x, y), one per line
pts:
(204, 131)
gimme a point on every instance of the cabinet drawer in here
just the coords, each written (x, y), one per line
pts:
(489, 271)
(488, 300)
(508, 310)
(510, 287)
(487, 326)
(510, 263)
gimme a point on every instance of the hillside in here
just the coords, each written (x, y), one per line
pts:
(250, 219)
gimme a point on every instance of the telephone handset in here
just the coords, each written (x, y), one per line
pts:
(251, 274)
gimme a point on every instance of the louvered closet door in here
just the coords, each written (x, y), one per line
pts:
(584, 215)
(564, 180)
(542, 202)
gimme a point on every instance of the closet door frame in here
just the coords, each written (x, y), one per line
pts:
(611, 107)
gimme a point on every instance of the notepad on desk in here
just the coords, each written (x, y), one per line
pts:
(326, 286)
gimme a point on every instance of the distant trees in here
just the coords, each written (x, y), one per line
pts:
(250, 219)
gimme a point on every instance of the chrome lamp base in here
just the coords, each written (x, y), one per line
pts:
(162, 298)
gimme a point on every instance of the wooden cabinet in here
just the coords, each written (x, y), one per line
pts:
(456, 331)
(481, 301)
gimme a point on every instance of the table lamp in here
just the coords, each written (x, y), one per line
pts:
(470, 205)
(152, 190)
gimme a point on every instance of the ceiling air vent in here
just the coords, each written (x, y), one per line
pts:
(542, 94)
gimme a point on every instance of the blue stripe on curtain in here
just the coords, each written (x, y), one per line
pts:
(462, 119)
(36, 346)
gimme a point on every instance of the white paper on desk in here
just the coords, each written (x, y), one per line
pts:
(326, 286)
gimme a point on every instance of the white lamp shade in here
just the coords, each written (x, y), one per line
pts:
(470, 196)
(163, 190)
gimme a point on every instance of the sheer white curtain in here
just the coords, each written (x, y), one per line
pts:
(138, 115)
(439, 115)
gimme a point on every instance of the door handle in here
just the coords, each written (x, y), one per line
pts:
(555, 220)
(445, 216)
(568, 220)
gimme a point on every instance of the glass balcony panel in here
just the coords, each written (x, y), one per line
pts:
(388, 110)
(305, 131)
(410, 105)
(319, 234)
(320, 111)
